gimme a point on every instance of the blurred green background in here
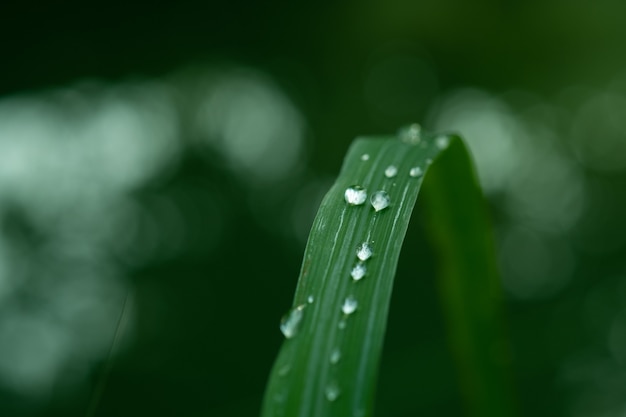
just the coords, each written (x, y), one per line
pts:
(174, 156)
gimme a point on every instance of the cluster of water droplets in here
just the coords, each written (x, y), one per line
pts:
(412, 135)
(363, 252)
(356, 195)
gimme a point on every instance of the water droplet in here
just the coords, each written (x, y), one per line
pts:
(442, 142)
(358, 271)
(391, 171)
(380, 200)
(284, 370)
(335, 355)
(355, 195)
(411, 134)
(291, 321)
(416, 172)
(310, 299)
(342, 324)
(364, 251)
(280, 397)
(359, 413)
(332, 391)
(349, 305)
(429, 161)
(365, 157)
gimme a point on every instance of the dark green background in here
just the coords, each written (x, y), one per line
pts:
(205, 317)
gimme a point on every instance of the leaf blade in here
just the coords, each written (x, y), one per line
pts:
(469, 284)
(305, 381)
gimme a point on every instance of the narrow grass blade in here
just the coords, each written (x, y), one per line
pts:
(469, 283)
(98, 391)
(328, 364)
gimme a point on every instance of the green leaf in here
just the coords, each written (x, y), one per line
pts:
(328, 364)
(469, 283)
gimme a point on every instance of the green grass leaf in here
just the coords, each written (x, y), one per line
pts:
(469, 283)
(328, 364)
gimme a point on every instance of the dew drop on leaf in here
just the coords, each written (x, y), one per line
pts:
(442, 142)
(364, 251)
(365, 157)
(411, 134)
(291, 321)
(332, 392)
(359, 413)
(280, 397)
(380, 200)
(284, 370)
(349, 305)
(416, 172)
(358, 272)
(355, 195)
(335, 355)
(391, 171)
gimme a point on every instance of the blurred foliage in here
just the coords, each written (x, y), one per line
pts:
(177, 153)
